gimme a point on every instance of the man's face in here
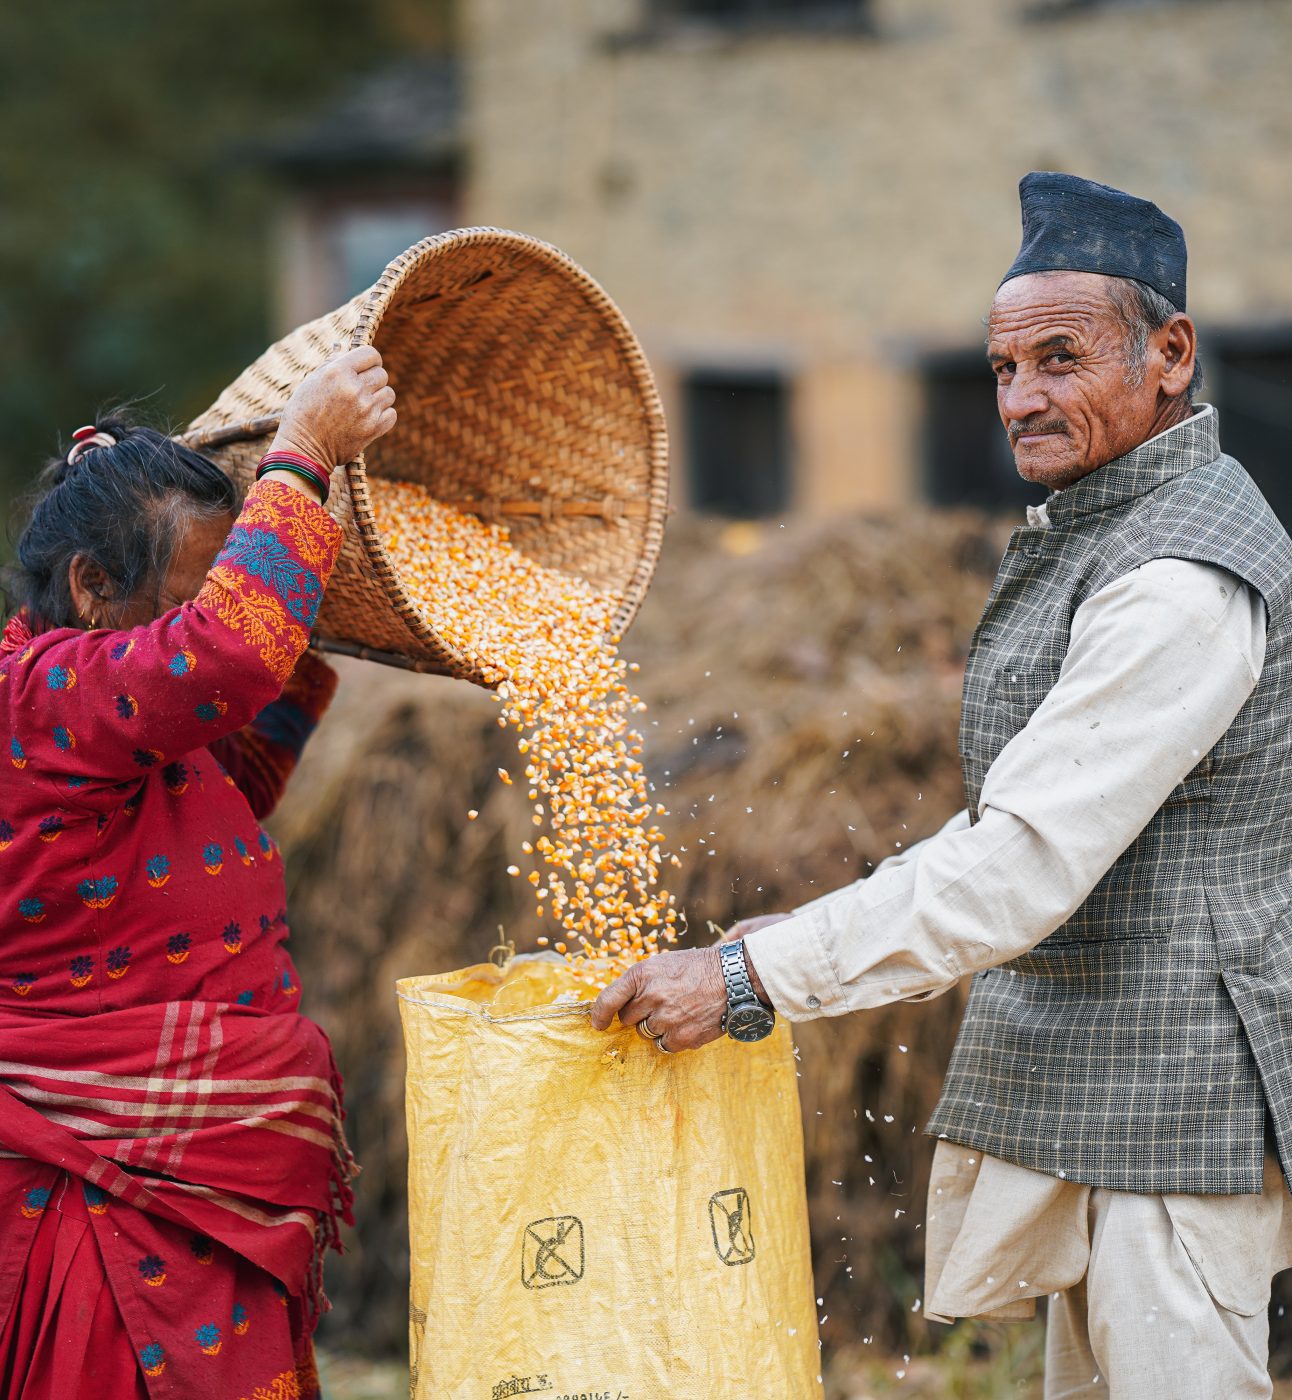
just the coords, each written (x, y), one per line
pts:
(1057, 347)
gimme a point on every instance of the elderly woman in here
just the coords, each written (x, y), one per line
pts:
(172, 1165)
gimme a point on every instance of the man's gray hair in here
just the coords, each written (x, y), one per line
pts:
(1144, 310)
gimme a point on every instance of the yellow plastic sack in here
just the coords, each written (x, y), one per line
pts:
(594, 1220)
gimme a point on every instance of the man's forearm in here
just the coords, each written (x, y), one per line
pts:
(1159, 665)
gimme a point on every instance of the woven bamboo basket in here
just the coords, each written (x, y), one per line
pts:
(523, 397)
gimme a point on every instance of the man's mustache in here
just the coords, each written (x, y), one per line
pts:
(1037, 425)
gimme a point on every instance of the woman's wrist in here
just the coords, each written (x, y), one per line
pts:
(303, 445)
(285, 464)
(295, 481)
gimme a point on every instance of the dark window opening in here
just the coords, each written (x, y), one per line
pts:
(967, 458)
(1252, 377)
(768, 13)
(738, 442)
(1060, 9)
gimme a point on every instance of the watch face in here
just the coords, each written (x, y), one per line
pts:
(748, 1023)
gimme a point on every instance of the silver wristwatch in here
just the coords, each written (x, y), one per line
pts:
(745, 1018)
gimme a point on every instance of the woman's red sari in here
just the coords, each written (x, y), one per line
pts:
(171, 1158)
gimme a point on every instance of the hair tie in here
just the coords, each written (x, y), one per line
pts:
(86, 440)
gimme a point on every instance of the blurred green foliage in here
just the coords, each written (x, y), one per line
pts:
(134, 203)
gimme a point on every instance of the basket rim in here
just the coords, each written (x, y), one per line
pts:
(373, 306)
(371, 314)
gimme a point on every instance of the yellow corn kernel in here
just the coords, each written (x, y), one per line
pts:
(544, 639)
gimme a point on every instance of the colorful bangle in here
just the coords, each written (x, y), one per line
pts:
(304, 467)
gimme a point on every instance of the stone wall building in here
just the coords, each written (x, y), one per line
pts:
(804, 207)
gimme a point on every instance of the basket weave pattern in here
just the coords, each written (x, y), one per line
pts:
(523, 396)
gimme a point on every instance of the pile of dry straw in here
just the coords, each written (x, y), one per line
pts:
(804, 688)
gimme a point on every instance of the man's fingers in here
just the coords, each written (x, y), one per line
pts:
(618, 994)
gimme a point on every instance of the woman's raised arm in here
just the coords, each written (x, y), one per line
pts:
(92, 711)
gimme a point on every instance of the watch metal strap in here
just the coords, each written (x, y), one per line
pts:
(735, 974)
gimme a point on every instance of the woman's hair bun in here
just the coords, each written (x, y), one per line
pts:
(106, 502)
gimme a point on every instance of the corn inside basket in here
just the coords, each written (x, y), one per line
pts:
(523, 398)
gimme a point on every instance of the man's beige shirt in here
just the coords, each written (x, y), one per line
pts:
(1159, 664)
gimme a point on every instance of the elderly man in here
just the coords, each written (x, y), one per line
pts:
(1120, 884)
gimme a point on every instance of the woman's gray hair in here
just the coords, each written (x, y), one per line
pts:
(126, 507)
(1144, 310)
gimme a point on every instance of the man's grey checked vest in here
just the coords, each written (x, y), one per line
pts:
(1136, 1047)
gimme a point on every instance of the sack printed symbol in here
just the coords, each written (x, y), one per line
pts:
(729, 1215)
(552, 1252)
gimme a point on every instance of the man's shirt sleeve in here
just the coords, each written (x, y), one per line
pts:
(1159, 664)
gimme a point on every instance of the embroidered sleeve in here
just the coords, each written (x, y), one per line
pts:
(102, 708)
(262, 757)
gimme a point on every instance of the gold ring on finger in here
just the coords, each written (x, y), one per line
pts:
(643, 1029)
(659, 1044)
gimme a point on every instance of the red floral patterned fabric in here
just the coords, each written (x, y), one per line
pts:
(150, 1041)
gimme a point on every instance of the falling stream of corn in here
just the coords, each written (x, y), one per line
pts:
(544, 639)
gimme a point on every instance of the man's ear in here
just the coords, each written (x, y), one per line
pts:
(92, 591)
(1178, 344)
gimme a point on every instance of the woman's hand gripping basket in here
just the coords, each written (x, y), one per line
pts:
(591, 1217)
(523, 398)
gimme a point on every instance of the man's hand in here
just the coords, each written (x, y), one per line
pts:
(680, 994)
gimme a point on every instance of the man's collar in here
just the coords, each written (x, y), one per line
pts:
(1193, 443)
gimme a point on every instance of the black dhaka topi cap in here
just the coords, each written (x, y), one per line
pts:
(1076, 225)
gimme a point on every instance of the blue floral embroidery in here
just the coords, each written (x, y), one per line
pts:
(304, 608)
(208, 1338)
(34, 1201)
(264, 556)
(99, 892)
(243, 998)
